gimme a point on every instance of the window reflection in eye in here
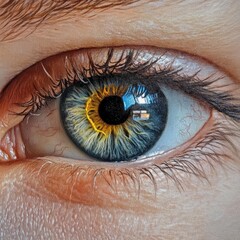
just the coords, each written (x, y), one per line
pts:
(124, 104)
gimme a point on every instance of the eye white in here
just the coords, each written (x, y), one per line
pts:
(186, 116)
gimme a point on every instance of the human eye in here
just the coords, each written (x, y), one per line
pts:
(126, 105)
(168, 169)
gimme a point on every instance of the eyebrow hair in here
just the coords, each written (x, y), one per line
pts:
(17, 16)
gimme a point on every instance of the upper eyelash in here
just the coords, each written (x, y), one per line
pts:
(222, 101)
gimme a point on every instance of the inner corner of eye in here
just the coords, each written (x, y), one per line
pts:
(12, 146)
(114, 121)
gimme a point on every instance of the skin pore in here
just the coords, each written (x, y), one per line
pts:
(51, 199)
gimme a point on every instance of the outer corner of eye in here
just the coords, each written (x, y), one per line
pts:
(114, 110)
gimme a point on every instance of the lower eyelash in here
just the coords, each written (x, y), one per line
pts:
(199, 161)
(204, 155)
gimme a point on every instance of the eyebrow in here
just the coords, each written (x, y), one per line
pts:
(20, 18)
(17, 16)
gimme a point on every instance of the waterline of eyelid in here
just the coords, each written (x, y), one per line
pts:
(157, 157)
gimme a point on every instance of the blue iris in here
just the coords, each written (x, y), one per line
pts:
(113, 120)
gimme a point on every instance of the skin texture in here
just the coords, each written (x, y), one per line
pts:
(51, 200)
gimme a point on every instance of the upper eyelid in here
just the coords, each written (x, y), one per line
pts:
(34, 52)
(23, 81)
(127, 60)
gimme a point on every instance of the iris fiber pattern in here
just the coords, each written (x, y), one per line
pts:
(83, 118)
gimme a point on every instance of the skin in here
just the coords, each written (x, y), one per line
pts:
(37, 201)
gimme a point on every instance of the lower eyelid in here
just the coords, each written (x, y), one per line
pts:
(135, 187)
(84, 186)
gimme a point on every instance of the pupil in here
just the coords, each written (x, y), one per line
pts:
(111, 110)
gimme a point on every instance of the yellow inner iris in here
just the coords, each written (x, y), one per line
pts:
(92, 106)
